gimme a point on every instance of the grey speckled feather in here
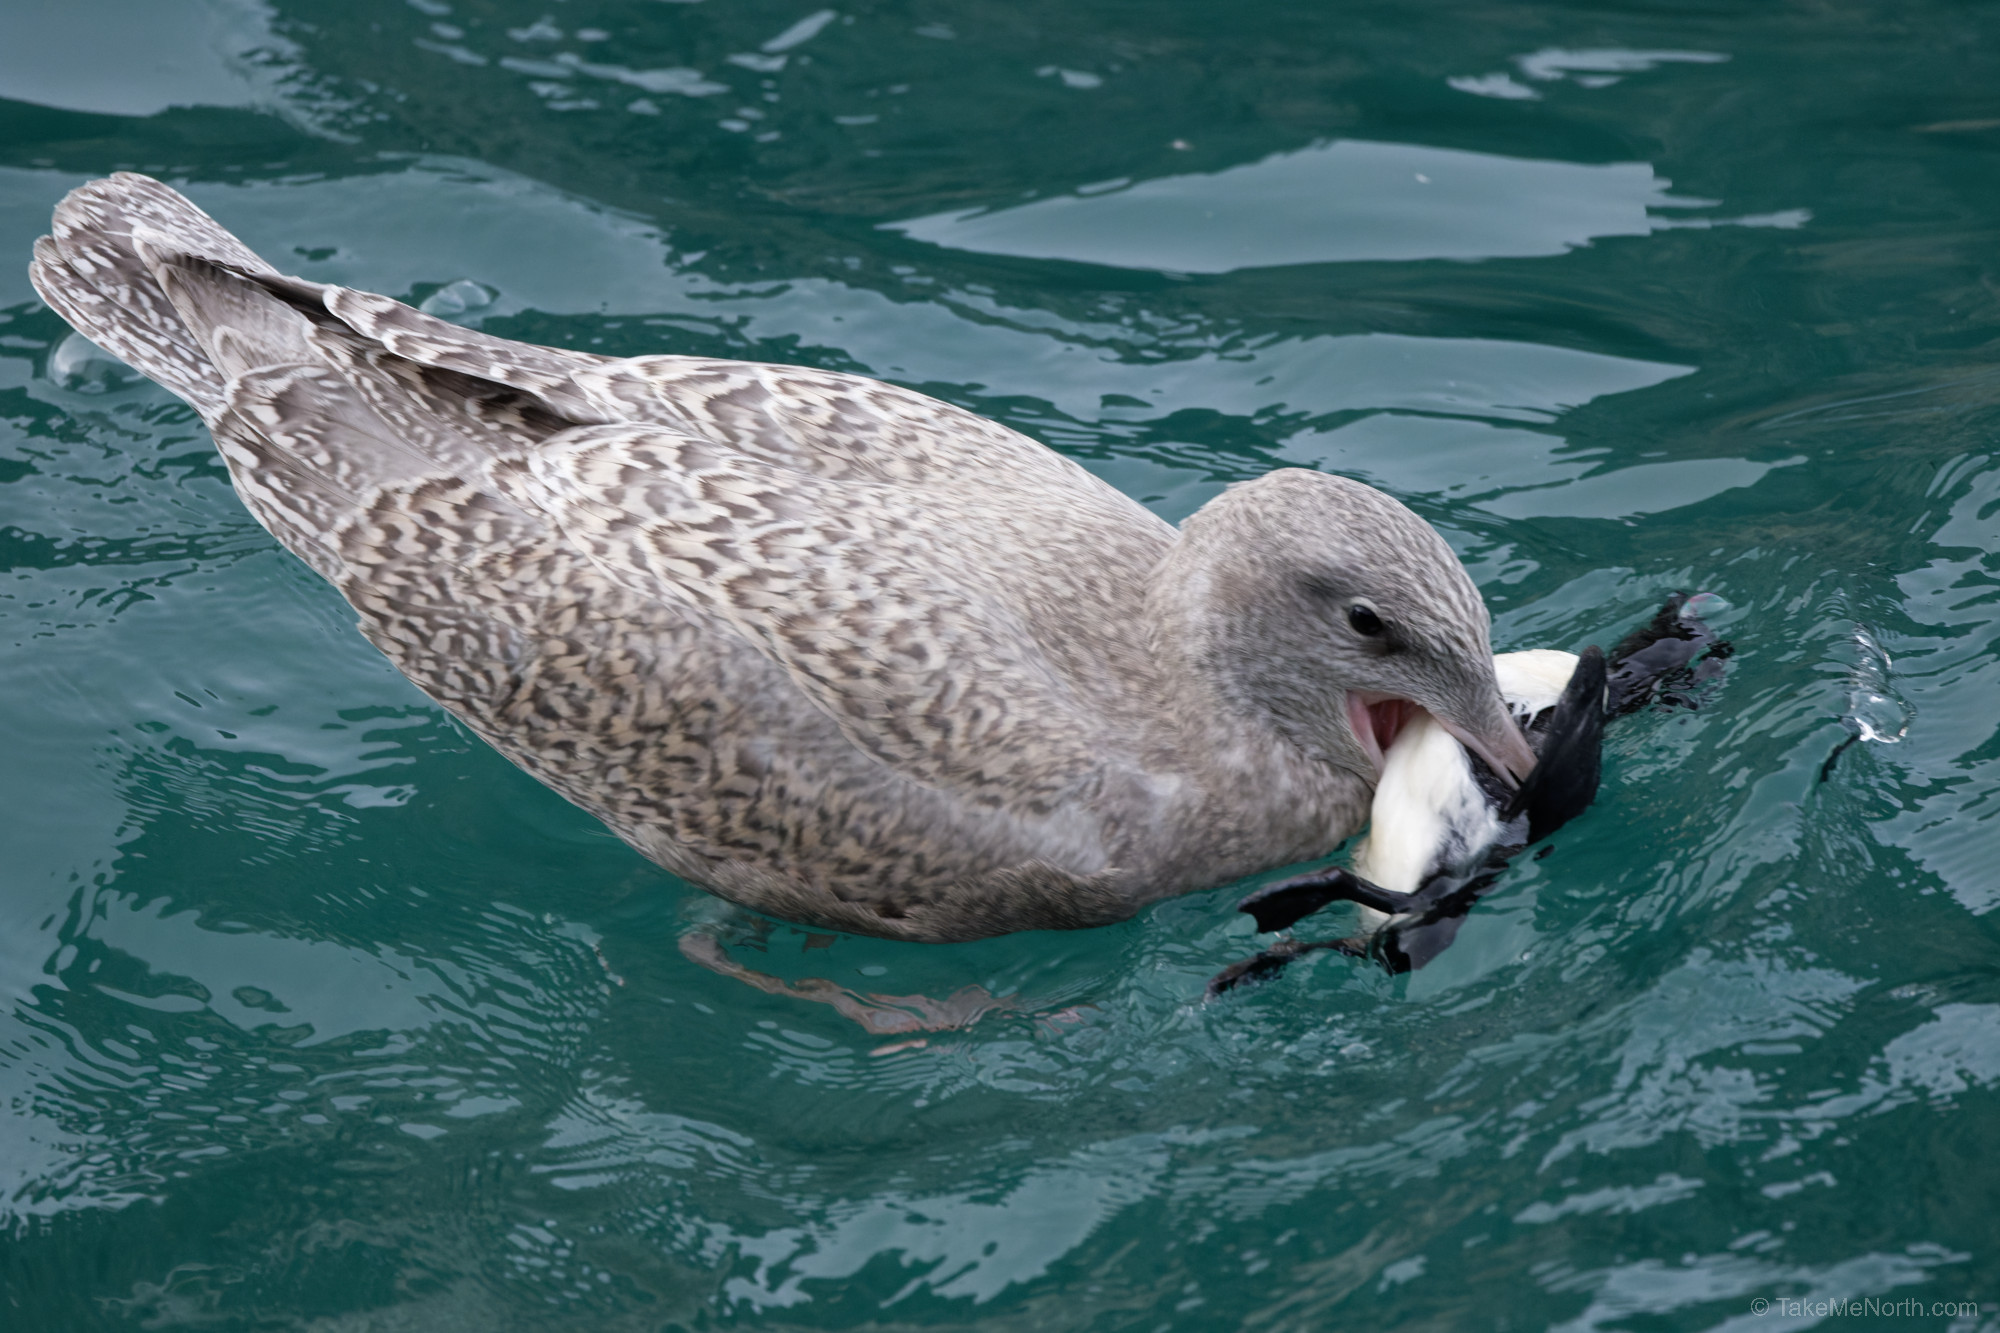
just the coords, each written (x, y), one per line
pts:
(833, 649)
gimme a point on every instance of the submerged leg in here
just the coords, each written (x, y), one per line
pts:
(883, 1015)
(1264, 966)
(1668, 643)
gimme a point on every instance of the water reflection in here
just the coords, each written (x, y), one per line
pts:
(1950, 674)
(1717, 1286)
(965, 1245)
(1337, 202)
(1513, 472)
(139, 57)
(1128, 366)
(1598, 68)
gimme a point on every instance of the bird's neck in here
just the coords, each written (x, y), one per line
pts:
(1261, 790)
(1236, 662)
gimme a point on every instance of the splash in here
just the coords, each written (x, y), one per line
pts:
(1874, 711)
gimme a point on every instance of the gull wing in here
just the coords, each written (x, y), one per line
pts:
(892, 613)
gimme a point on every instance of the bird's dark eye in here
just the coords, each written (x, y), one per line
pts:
(1364, 620)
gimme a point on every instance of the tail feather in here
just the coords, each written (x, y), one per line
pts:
(103, 212)
(543, 371)
(135, 323)
(236, 323)
(90, 269)
(321, 399)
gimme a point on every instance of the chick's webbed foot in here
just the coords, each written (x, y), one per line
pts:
(1675, 649)
(1280, 905)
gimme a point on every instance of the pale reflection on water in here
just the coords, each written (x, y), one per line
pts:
(1341, 202)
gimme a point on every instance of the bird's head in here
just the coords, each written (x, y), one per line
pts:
(1331, 609)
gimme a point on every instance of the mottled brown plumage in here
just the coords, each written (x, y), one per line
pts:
(830, 648)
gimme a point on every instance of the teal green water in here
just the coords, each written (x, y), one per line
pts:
(318, 1015)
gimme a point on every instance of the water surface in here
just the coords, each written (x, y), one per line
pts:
(319, 1015)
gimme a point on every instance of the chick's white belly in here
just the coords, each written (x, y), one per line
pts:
(1430, 814)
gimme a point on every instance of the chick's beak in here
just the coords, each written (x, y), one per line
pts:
(1497, 740)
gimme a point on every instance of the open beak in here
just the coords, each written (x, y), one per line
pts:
(1500, 743)
(1378, 719)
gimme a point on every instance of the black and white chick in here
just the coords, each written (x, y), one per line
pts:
(1443, 825)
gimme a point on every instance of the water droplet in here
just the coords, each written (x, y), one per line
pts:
(1878, 717)
(459, 298)
(81, 366)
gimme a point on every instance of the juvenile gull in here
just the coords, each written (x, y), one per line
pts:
(834, 650)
